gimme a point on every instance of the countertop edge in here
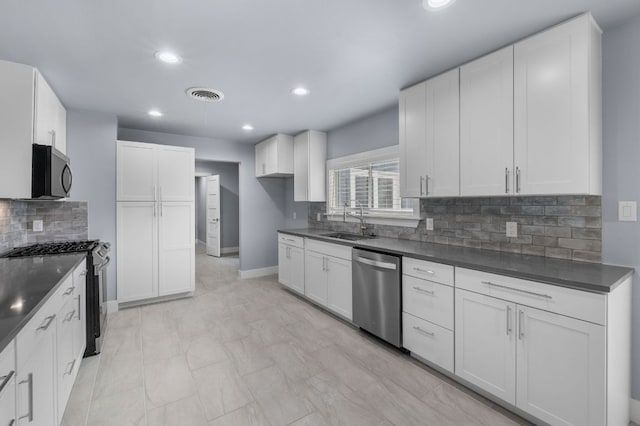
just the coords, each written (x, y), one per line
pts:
(18, 328)
(586, 287)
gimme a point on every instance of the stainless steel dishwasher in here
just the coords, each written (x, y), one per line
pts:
(377, 294)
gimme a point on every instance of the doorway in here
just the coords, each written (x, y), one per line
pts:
(228, 208)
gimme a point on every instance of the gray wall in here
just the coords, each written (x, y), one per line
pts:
(621, 92)
(229, 202)
(262, 201)
(91, 147)
(375, 131)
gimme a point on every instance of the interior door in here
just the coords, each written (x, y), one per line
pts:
(213, 215)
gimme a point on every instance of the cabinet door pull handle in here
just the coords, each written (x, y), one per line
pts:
(426, 182)
(422, 290)
(506, 180)
(29, 382)
(428, 333)
(46, 323)
(83, 273)
(53, 137)
(5, 380)
(421, 187)
(532, 293)
(79, 308)
(69, 291)
(70, 316)
(518, 180)
(508, 320)
(12, 422)
(520, 324)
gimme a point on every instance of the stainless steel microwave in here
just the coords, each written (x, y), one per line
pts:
(51, 176)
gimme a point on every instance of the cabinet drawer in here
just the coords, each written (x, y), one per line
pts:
(428, 341)
(428, 300)
(431, 271)
(45, 319)
(335, 250)
(291, 240)
(565, 301)
(7, 364)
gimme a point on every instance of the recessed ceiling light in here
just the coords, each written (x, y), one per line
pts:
(300, 91)
(436, 4)
(168, 57)
(155, 113)
(247, 127)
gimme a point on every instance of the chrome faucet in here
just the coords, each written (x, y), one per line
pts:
(363, 225)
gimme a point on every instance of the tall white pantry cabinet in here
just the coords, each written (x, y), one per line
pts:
(155, 221)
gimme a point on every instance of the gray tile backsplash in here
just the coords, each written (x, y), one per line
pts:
(63, 220)
(565, 227)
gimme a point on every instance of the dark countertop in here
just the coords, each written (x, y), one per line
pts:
(592, 277)
(31, 280)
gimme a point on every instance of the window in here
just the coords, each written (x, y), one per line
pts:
(371, 181)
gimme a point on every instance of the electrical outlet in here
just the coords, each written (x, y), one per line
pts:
(512, 229)
(294, 215)
(429, 224)
(38, 226)
(318, 217)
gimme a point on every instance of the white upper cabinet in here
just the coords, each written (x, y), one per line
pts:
(309, 166)
(149, 172)
(50, 124)
(558, 102)
(176, 173)
(274, 156)
(29, 113)
(429, 137)
(413, 135)
(486, 125)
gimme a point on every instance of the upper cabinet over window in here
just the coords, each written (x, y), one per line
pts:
(274, 157)
(530, 120)
(30, 112)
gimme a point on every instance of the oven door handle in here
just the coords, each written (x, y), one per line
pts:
(376, 263)
(103, 265)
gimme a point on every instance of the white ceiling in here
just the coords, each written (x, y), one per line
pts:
(354, 55)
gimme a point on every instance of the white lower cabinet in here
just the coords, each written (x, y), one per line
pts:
(8, 385)
(428, 341)
(485, 343)
(548, 365)
(561, 372)
(176, 249)
(328, 280)
(291, 262)
(49, 350)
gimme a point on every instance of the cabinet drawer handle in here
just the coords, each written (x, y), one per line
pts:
(422, 290)
(68, 291)
(531, 293)
(423, 271)
(46, 323)
(29, 382)
(69, 316)
(72, 364)
(428, 333)
(5, 380)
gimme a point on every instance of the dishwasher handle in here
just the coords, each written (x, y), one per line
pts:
(376, 263)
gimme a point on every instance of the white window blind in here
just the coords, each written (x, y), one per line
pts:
(368, 180)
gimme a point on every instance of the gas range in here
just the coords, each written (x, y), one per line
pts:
(52, 248)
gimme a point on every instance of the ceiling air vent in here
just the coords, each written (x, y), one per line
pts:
(205, 95)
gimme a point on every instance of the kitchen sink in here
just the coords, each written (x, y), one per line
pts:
(348, 236)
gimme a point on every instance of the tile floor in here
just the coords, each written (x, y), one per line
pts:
(247, 352)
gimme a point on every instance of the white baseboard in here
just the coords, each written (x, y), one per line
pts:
(227, 250)
(112, 306)
(260, 272)
(201, 242)
(635, 411)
